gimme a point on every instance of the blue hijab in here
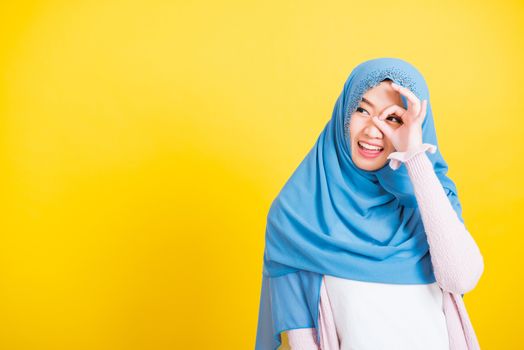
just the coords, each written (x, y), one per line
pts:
(334, 218)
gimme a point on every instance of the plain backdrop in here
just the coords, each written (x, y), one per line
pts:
(142, 142)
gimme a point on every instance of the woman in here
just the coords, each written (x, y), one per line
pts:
(360, 251)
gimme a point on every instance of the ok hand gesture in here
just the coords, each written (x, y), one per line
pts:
(409, 134)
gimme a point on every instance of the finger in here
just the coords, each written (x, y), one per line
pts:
(423, 111)
(413, 101)
(398, 88)
(383, 126)
(391, 110)
(406, 92)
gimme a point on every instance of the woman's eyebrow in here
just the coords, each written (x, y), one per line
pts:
(369, 103)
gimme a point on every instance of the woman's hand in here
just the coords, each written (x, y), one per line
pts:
(409, 134)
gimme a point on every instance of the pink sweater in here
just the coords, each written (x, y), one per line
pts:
(456, 259)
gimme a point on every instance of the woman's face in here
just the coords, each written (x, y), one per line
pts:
(363, 130)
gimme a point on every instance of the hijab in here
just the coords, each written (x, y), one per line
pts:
(331, 217)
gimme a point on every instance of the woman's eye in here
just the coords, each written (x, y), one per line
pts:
(361, 110)
(391, 117)
(397, 119)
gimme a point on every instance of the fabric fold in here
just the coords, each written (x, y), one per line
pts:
(397, 158)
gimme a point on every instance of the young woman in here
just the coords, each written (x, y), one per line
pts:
(360, 251)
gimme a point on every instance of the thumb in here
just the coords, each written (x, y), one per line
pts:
(383, 126)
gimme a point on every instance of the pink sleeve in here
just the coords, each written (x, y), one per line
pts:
(302, 339)
(456, 258)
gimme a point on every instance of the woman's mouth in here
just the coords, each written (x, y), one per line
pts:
(369, 151)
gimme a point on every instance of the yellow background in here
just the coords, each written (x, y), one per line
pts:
(142, 143)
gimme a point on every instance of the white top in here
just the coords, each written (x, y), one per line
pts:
(371, 316)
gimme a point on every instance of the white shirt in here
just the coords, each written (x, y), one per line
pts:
(379, 316)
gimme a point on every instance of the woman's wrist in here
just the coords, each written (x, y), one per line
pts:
(418, 165)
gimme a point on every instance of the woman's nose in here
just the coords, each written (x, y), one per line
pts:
(372, 130)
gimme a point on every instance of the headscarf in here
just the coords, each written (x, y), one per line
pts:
(334, 218)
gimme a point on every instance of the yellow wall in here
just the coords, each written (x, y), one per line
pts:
(142, 143)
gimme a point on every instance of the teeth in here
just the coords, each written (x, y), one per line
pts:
(370, 147)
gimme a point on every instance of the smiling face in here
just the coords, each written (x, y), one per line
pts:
(362, 130)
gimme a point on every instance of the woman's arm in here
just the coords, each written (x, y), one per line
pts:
(456, 258)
